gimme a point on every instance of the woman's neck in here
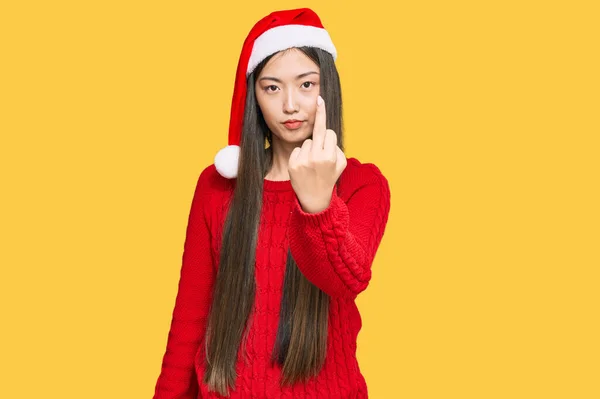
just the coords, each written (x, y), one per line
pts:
(280, 156)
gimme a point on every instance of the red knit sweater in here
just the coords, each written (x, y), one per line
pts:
(334, 249)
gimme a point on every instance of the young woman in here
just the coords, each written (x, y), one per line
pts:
(280, 238)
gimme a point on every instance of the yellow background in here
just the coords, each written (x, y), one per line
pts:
(484, 116)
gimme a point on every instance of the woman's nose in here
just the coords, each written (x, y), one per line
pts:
(290, 105)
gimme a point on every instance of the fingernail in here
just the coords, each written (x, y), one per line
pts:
(319, 100)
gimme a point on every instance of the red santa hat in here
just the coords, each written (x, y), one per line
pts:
(277, 31)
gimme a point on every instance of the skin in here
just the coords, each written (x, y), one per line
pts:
(288, 88)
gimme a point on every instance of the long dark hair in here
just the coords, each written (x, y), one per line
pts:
(301, 341)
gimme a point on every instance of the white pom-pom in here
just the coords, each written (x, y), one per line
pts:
(226, 161)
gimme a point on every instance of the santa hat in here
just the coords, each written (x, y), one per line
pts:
(277, 31)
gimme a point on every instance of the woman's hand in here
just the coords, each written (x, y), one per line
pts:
(315, 167)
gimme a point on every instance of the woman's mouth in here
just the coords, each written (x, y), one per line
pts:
(293, 124)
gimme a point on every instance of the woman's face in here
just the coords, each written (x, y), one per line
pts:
(287, 89)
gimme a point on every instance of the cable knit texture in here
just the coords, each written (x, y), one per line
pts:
(334, 249)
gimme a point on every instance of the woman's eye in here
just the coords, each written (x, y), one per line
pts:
(271, 87)
(305, 85)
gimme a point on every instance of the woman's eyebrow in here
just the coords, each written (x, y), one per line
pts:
(302, 75)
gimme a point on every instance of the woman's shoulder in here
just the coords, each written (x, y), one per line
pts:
(359, 173)
(211, 182)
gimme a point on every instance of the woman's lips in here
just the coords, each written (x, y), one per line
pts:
(293, 125)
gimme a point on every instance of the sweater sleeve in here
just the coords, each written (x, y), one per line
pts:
(335, 248)
(178, 378)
